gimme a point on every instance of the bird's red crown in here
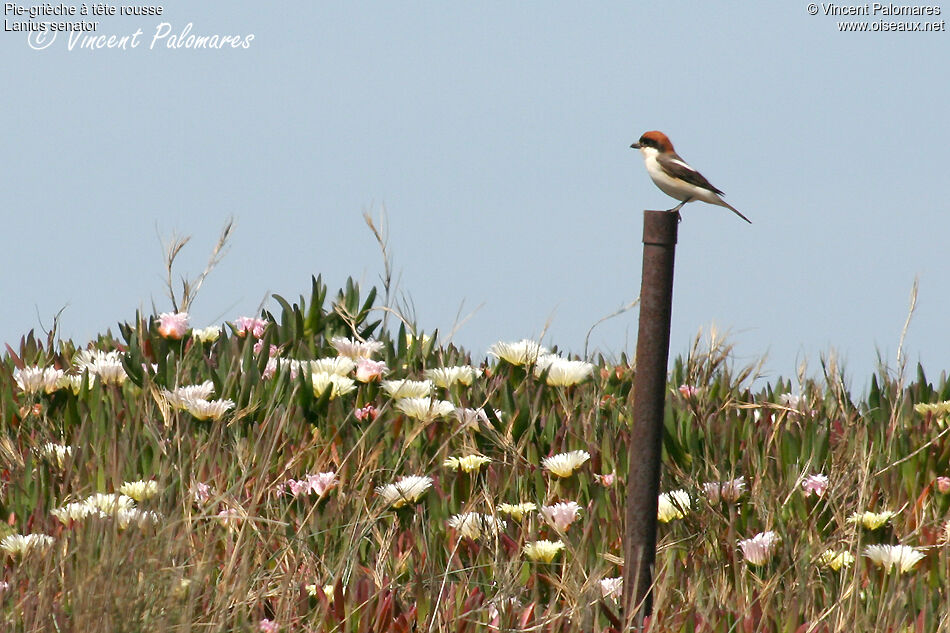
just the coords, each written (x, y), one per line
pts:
(656, 139)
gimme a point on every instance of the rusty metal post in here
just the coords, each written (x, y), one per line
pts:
(643, 473)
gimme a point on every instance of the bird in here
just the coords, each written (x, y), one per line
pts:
(674, 176)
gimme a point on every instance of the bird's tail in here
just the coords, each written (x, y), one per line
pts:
(734, 210)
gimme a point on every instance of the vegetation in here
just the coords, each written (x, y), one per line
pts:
(226, 523)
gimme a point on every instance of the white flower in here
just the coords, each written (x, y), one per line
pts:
(109, 503)
(338, 385)
(564, 464)
(872, 520)
(55, 453)
(523, 352)
(728, 491)
(468, 464)
(407, 388)
(759, 549)
(448, 376)
(76, 511)
(208, 409)
(472, 417)
(672, 505)
(339, 365)
(209, 334)
(139, 490)
(562, 514)
(38, 379)
(180, 396)
(562, 372)
(21, 545)
(518, 510)
(355, 349)
(543, 551)
(425, 409)
(474, 525)
(141, 518)
(901, 558)
(836, 560)
(790, 400)
(406, 490)
(73, 382)
(611, 587)
(106, 365)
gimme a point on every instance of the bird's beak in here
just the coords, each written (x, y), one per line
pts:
(635, 146)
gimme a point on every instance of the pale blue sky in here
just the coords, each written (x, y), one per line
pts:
(497, 137)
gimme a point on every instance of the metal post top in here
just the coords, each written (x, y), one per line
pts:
(660, 227)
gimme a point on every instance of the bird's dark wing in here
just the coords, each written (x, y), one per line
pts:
(676, 167)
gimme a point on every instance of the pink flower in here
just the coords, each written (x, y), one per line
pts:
(258, 346)
(201, 493)
(268, 626)
(759, 549)
(688, 391)
(319, 483)
(943, 485)
(250, 324)
(369, 411)
(561, 515)
(606, 480)
(173, 325)
(367, 370)
(815, 485)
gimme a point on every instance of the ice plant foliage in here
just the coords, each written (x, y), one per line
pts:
(406, 490)
(900, 558)
(564, 464)
(542, 551)
(523, 352)
(249, 523)
(759, 549)
(672, 505)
